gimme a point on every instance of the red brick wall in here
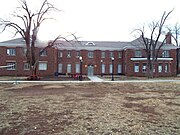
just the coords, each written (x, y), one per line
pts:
(20, 59)
(130, 65)
(95, 61)
(53, 61)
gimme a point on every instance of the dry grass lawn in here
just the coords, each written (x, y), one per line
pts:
(90, 109)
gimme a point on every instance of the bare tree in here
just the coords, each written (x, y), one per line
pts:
(175, 31)
(151, 44)
(28, 25)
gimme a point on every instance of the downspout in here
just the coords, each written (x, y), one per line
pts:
(177, 59)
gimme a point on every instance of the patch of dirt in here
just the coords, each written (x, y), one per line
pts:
(90, 108)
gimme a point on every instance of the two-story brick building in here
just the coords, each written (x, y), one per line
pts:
(128, 59)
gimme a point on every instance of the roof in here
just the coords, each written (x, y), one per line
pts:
(87, 45)
(18, 42)
(139, 44)
(91, 45)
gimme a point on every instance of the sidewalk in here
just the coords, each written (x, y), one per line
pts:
(95, 79)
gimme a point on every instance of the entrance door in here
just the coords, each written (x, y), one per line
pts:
(90, 70)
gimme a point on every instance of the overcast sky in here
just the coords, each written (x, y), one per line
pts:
(105, 20)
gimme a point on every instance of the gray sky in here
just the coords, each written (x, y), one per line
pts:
(107, 20)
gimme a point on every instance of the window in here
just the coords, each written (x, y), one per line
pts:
(119, 54)
(119, 68)
(103, 68)
(165, 54)
(78, 54)
(111, 54)
(11, 52)
(160, 68)
(11, 66)
(42, 65)
(60, 54)
(43, 52)
(68, 68)
(144, 68)
(26, 66)
(136, 67)
(110, 68)
(90, 43)
(103, 54)
(138, 53)
(166, 67)
(60, 66)
(24, 51)
(68, 54)
(77, 68)
(90, 54)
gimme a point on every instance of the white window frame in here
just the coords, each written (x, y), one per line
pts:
(136, 67)
(137, 53)
(110, 68)
(42, 66)
(60, 54)
(77, 68)
(24, 51)
(43, 53)
(69, 68)
(165, 54)
(90, 54)
(119, 68)
(69, 54)
(166, 68)
(78, 54)
(103, 68)
(26, 66)
(144, 67)
(11, 51)
(60, 68)
(11, 66)
(120, 54)
(111, 54)
(160, 67)
(103, 54)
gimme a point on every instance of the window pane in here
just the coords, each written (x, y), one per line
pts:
(110, 68)
(165, 53)
(77, 54)
(68, 54)
(90, 54)
(119, 54)
(166, 68)
(160, 68)
(43, 52)
(111, 54)
(11, 52)
(119, 68)
(60, 68)
(136, 67)
(11, 66)
(103, 55)
(138, 53)
(68, 68)
(26, 66)
(144, 68)
(103, 68)
(60, 54)
(77, 68)
(42, 65)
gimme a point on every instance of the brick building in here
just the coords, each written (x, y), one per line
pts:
(128, 58)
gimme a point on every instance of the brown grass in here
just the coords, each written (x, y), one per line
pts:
(90, 108)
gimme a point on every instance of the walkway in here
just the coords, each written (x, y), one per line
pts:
(95, 79)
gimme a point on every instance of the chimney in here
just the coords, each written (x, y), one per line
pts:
(168, 38)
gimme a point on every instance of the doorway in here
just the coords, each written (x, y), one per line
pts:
(90, 70)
